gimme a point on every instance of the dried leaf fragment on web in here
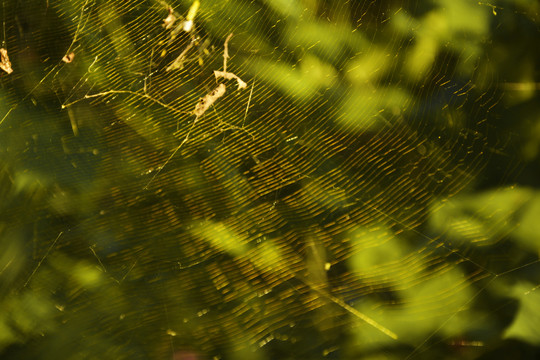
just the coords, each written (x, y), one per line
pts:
(169, 21)
(68, 57)
(5, 64)
(207, 101)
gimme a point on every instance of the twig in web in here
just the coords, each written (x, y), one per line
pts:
(225, 74)
(226, 51)
(128, 92)
(5, 64)
(350, 309)
(357, 313)
(230, 76)
(201, 107)
(205, 102)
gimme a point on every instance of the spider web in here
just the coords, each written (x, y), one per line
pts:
(317, 212)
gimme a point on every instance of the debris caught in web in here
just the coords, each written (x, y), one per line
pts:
(5, 64)
(68, 57)
(169, 21)
(187, 24)
(207, 101)
(225, 74)
(230, 76)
